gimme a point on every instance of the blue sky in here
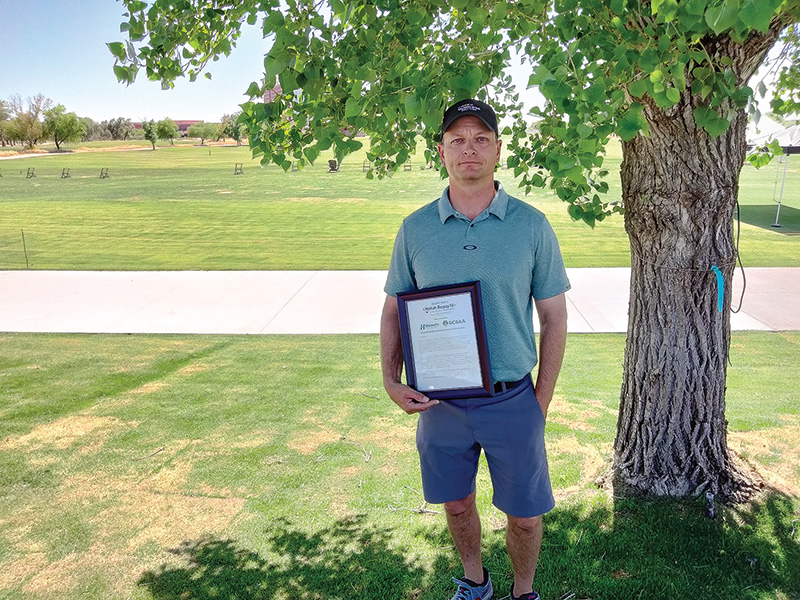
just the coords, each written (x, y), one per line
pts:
(58, 48)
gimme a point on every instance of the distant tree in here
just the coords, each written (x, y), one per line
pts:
(63, 126)
(5, 118)
(166, 129)
(94, 131)
(204, 131)
(28, 116)
(231, 128)
(150, 133)
(13, 132)
(119, 128)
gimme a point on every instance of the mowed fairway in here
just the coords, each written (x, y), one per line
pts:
(182, 208)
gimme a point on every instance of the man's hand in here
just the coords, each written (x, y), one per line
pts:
(407, 398)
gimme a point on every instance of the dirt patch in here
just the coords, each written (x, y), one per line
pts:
(592, 461)
(172, 479)
(192, 369)
(389, 434)
(149, 388)
(308, 441)
(14, 572)
(315, 434)
(153, 510)
(65, 432)
(572, 416)
(774, 452)
(63, 576)
(168, 520)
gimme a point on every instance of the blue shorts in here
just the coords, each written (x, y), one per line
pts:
(509, 428)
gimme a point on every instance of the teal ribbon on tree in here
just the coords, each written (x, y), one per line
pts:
(720, 286)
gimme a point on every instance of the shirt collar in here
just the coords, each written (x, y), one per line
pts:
(498, 206)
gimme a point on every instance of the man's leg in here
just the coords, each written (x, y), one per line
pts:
(465, 529)
(523, 541)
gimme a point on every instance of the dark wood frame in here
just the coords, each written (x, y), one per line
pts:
(473, 288)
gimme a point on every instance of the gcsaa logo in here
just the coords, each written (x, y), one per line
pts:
(454, 322)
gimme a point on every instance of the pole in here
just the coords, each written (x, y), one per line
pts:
(780, 200)
(25, 249)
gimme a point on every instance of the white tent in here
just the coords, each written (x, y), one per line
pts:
(763, 131)
(788, 138)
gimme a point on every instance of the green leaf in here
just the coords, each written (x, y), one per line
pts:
(584, 130)
(273, 66)
(117, 49)
(673, 95)
(254, 90)
(756, 14)
(638, 88)
(696, 7)
(412, 106)
(723, 17)
(631, 123)
(121, 73)
(666, 10)
(352, 107)
(708, 119)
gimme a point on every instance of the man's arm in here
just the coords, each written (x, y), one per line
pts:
(405, 397)
(552, 341)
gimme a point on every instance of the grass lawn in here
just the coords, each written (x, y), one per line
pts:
(274, 467)
(182, 208)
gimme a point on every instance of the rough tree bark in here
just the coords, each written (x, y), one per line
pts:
(680, 188)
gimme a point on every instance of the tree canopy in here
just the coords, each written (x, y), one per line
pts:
(150, 131)
(389, 68)
(204, 131)
(166, 129)
(63, 126)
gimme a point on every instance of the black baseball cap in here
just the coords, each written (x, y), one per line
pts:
(470, 108)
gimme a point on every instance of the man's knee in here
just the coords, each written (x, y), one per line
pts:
(529, 525)
(459, 507)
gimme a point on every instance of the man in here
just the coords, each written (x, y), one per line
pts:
(475, 231)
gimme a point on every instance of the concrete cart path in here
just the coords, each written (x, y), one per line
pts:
(312, 302)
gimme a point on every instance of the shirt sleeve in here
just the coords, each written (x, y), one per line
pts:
(549, 275)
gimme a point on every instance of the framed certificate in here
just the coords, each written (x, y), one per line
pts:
(444, 341)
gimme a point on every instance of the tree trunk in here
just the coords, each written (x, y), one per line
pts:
(679, 189)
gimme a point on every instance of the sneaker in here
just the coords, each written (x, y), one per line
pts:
(467, 590)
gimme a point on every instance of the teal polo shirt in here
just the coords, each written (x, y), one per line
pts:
(510, 248)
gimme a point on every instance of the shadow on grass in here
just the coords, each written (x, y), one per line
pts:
(764, 215)
(635, 549)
